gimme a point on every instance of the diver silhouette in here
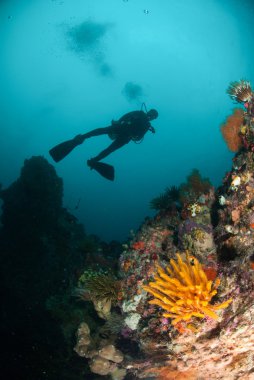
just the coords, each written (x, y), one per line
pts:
(130, 127)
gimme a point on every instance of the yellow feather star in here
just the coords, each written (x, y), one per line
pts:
(184, 291)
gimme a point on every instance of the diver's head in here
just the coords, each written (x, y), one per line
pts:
(152, 114)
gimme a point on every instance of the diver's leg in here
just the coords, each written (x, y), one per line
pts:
(95, 132)
(116, 144)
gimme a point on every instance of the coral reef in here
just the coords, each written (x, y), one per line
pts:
(224, 350)
(193, 318)
(177, 304)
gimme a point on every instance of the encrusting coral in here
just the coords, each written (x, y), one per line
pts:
(185, 292)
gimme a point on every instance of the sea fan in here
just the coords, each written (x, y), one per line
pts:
(194, 187)
(231, 130)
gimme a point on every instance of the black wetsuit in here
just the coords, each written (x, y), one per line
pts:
(131, 126)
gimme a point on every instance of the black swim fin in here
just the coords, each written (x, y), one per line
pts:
(63, 149)
(107, 171)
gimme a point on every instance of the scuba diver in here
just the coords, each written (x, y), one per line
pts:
(130, 127)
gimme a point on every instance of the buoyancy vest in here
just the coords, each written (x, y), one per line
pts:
(134, 124)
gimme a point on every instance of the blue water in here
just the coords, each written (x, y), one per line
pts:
(68, 66)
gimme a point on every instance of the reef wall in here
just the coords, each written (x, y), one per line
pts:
(184, 304)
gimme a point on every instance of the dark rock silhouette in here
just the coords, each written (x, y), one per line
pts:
(39, 258)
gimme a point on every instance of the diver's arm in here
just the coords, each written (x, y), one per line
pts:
(151, 128)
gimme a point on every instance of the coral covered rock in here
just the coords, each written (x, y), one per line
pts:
(101, 366)
(83, 339)
(109, 352)
(224, 353)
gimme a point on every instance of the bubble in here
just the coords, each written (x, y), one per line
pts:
(146, 11)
